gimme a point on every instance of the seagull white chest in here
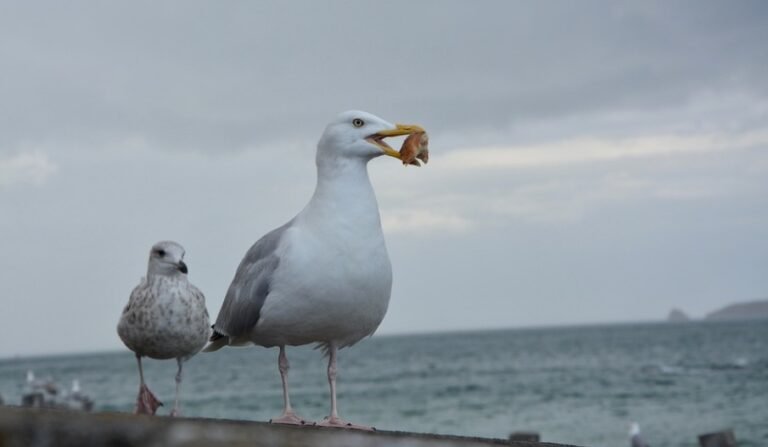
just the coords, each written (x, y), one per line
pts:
(334, 280)
(165, 318)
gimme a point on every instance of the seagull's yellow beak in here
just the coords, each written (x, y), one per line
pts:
(399, 130)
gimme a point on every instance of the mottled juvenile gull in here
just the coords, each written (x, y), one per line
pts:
(324, 277)
(165, 318)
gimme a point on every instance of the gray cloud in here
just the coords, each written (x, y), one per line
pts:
(219, 77)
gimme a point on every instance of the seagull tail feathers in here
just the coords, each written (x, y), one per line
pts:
(217, 341)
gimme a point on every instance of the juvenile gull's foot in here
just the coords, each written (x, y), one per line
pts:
(289, 418)
(341, 423)
(146, 402)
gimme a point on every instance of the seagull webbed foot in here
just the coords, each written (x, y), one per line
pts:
(289, 418)
(146, 402)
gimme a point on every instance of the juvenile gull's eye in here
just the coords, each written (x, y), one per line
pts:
(357, 122)
(160, 252)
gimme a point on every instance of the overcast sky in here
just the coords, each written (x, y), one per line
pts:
(590, 161)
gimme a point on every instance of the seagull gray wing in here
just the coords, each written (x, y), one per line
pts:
(252, 283)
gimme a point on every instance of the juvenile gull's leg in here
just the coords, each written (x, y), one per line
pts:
(288, 416)
(334, 420)
(176, 410)
(146, 402)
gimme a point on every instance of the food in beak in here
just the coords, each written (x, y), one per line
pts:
(415, 148)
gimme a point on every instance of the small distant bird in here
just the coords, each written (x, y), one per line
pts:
(32, 394)
(635, 439)
(165, 318)
(77, 400)
(325, 276)
(39, 393)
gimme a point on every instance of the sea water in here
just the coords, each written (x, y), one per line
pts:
(579, 385)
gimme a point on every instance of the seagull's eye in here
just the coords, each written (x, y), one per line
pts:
(160, 253)
(357, 122)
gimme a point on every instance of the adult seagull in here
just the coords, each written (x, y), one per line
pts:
(324, 277)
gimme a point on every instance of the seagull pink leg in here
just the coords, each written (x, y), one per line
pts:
(176, 407)
(288, 416)
(334, 420)
(146, 402)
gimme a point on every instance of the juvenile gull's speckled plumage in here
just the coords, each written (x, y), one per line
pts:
(165, 318)
(325, 276)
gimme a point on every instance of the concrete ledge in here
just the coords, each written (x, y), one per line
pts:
(24, 427)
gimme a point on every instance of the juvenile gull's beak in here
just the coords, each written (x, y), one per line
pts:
(183, 267)
(400, 129)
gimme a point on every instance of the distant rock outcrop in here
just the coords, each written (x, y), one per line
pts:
(741, 311)
(677, 316)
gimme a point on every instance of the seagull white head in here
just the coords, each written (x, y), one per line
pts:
(166, 258)
(360, 135)
(634, 429)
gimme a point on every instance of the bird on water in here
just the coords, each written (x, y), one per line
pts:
(635, 438)
(324, 277)
(165, 318)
